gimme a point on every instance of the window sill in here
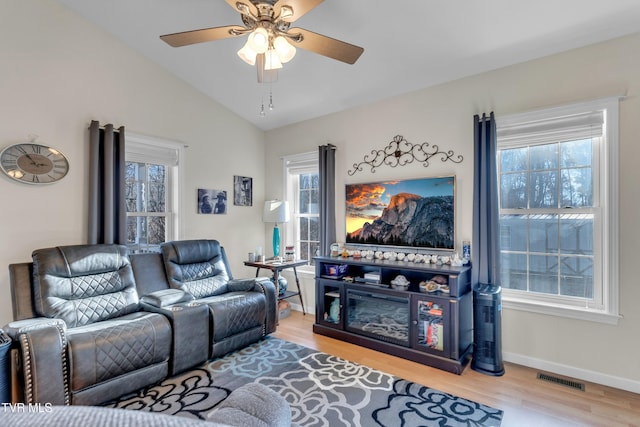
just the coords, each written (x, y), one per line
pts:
(560, 311)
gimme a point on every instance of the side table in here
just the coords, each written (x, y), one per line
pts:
(276, 267)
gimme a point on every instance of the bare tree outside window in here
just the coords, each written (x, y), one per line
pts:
(146, 201)
(558, 221)
(308, 215)
(546, 225)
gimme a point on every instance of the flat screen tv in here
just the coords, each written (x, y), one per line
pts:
(416, 213)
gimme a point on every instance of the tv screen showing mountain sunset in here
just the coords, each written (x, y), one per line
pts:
(405, 213)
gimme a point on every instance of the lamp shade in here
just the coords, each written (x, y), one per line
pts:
(285, 50)
(272, 60)
(247, 54)
(259, 40)
(275, 211)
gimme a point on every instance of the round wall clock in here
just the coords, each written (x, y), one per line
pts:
(33, 163)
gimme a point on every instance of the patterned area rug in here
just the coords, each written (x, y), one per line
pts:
(323, 390)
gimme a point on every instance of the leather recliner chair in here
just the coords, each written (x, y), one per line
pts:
(242, 311)
(89, 342)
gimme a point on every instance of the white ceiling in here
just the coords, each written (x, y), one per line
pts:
(409, 45)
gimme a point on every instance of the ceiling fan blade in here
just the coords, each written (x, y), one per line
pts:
(299, 8)
(204, 35)
(243, 6)
(327, 46)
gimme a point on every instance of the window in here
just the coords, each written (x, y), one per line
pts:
(151, 176)
(302, 190)
(558, 202)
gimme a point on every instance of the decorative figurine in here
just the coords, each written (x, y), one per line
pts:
(334, 311)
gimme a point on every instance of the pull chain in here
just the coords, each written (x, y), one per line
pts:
(271, 107)
(262, 112)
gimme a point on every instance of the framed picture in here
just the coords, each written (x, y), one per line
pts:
(212, 201)
(242, 191)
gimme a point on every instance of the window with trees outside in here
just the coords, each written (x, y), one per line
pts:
(302, 191)
(557, 178)
(151, 175)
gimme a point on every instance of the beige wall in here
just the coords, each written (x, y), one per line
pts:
(443, 115)
(58, 73)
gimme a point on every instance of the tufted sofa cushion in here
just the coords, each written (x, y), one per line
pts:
(196, 266)
(83, 284)
(241, 311)
(103, 351)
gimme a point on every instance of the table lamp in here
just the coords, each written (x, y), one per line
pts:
(276, 211)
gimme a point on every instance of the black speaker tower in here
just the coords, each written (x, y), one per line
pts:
(487, 330)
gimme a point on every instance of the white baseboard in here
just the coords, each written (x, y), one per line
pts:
(573, 372)
(298, 307)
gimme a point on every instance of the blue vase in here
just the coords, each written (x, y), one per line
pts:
(282, 285)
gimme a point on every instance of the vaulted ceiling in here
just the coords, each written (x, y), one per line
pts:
(409, 45)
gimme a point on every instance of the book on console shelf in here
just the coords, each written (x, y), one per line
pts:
(367, 282)
(372, 278)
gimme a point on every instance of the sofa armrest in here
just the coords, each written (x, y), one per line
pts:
(267, 287)
(43, 354)
(189, 327)
(166, 297)
(239, 285)
(17, 327)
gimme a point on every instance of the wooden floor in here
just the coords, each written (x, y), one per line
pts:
(525, 400)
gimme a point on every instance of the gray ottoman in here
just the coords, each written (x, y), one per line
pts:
(252, 405)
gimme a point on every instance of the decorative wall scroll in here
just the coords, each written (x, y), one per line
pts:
(401, 152)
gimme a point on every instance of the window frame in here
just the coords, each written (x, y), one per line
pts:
(293, 166)
(158, 151)
(605, 208)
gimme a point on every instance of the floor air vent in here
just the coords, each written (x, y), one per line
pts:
(556, 380)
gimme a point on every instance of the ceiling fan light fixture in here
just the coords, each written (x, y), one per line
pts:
(270, 39)
(271, 60)
(243, 8)
(259, 40)
(247, 54)
(286, 12)
(285, 50)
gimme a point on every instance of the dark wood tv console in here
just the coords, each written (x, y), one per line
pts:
(432, 327)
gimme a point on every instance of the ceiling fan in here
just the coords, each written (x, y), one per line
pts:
(271, 40)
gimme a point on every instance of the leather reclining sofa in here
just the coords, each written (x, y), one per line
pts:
(93, 322)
